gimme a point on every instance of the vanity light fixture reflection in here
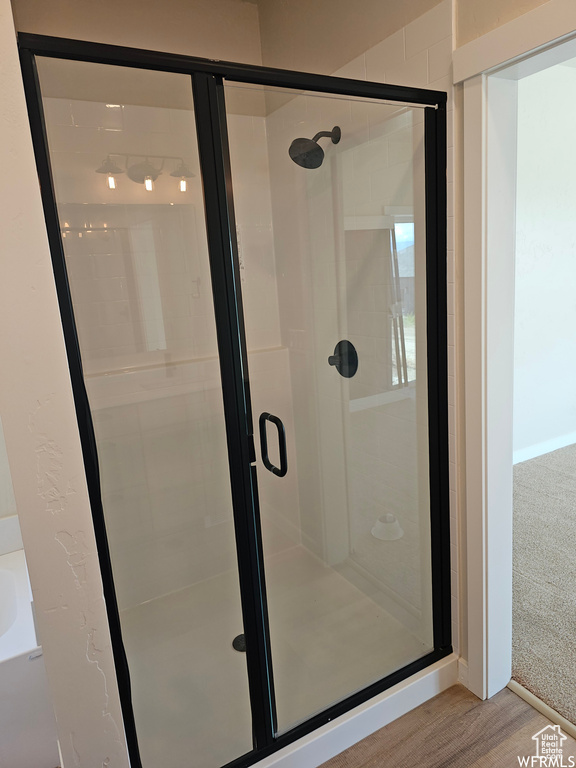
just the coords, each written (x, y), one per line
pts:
(111, 170)
(182, 173)
(144, 172)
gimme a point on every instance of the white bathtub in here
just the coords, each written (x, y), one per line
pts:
(8, 600)
(17, 634)
(28, 736)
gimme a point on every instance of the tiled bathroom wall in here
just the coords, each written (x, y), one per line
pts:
(140, 282)
(380, 459)
(140, 275)
(125, 245)
(335, 257)
(420, 55)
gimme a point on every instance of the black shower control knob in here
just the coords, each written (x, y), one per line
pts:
(344, 359)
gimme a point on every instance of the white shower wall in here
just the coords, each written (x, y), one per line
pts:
(277, 277)
(420, 55)
(140, 281)
(366, 447)
(332, 286)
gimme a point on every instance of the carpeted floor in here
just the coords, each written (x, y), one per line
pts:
(544, 614)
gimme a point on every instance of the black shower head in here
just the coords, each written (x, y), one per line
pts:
(308, 153)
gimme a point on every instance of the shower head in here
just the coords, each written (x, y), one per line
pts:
(308, 153)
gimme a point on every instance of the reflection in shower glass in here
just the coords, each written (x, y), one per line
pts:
(347, 530)
(331, 255)
(139, 276)
(143, 253)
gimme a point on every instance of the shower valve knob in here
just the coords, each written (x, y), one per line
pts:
(344, 359)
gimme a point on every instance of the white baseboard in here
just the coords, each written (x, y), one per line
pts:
(533, 451)
(463, 672)
(333, 738)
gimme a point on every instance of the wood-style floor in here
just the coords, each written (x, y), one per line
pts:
(454, 729)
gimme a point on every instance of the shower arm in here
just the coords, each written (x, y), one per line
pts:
(322, 134)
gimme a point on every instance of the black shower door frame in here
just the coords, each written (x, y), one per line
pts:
(207, 79)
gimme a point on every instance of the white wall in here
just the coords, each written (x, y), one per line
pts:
(45, 455)
(477, 17)
(322, 36)
(545, 293)
(213, 29)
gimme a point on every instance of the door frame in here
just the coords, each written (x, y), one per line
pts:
(488, 69)
(207, 83)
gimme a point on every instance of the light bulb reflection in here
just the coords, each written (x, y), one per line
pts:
(148, 184)
(111, 182)
(183, 185)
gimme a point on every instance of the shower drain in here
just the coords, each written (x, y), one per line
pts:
(239, 643)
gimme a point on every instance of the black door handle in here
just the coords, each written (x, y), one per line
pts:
(280, 471)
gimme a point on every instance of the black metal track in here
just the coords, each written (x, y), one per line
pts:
(437, 343)
(80, 50)
(341, 708)
(83, 412)
(215, 166)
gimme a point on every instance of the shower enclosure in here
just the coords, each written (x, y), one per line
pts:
(250, 265)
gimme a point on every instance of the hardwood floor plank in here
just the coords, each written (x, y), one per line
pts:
(456, 701)
(520, 744)
(453, 730)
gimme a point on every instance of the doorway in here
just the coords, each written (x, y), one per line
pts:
(544, 429)
(251, 273)
(490, 89)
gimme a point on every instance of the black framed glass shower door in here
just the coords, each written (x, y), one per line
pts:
(219, 279)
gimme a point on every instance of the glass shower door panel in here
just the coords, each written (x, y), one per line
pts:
(126, 173)
(329, 200)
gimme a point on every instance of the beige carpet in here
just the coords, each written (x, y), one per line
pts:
(544, 614)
